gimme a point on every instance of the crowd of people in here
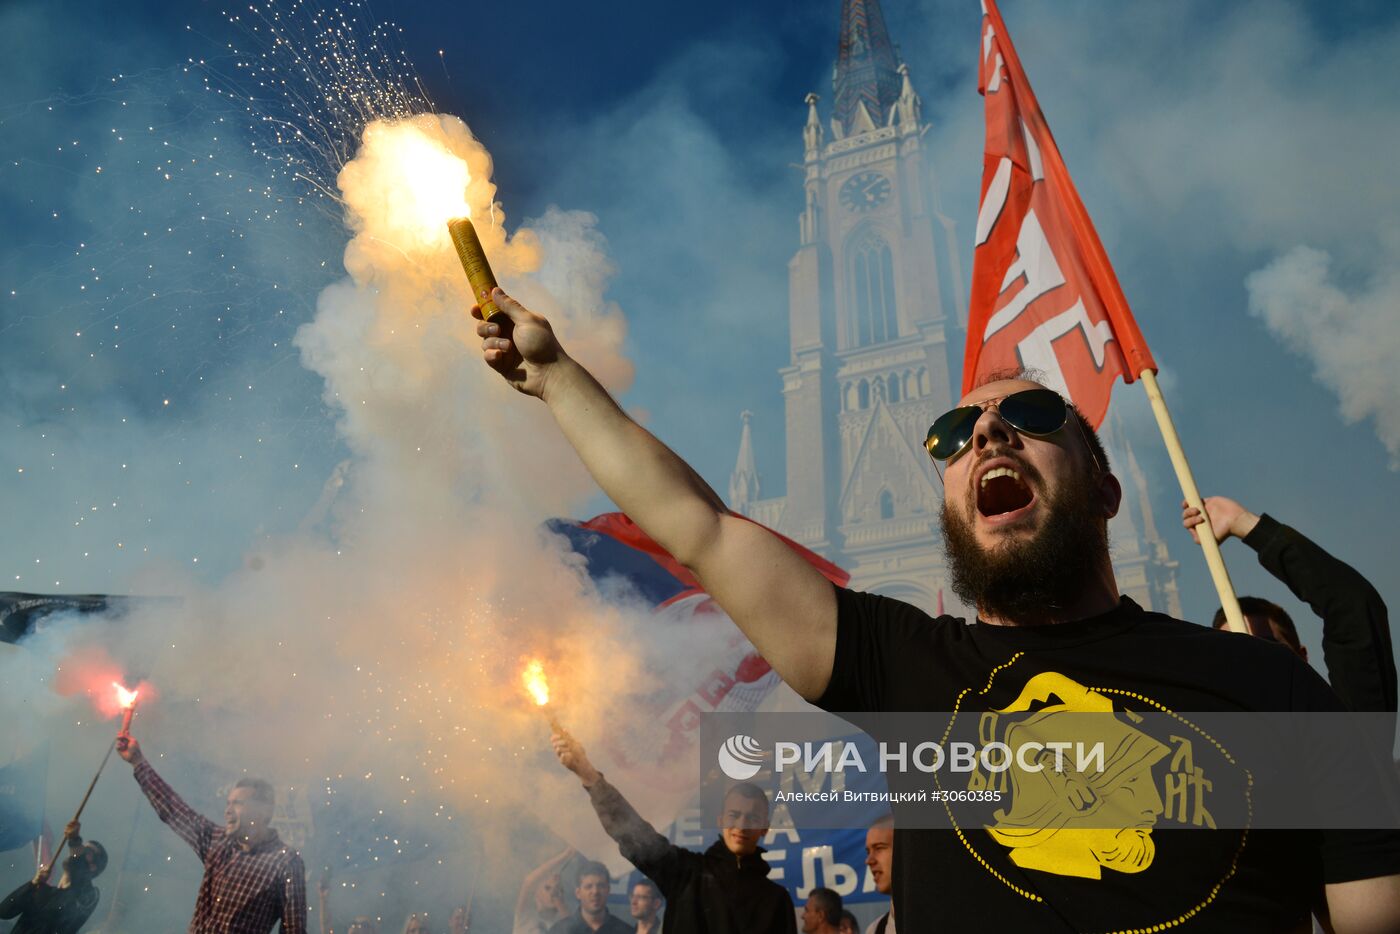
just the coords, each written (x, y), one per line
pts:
(1028, 494)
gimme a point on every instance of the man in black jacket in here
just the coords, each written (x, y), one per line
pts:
(724, 890)
(45, 909)
(1355, 628)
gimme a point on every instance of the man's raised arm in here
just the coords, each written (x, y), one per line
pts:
(782, 603)
(194, 828)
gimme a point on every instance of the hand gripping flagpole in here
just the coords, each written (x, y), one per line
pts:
(1214, 559)
(58, 850)
(1116, 306)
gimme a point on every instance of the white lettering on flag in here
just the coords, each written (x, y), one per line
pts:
(1037, 349)
(1033, 151)
(1035, 261)
(994, 201)
(994, 83)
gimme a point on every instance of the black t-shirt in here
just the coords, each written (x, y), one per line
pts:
(891, 656)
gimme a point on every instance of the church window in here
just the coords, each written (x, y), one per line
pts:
(886, 504)
(894, 388)
(872, 305)
(864, 394)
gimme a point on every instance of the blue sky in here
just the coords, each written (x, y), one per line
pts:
(1210, 143)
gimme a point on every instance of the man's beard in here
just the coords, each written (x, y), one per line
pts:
(1023, 579)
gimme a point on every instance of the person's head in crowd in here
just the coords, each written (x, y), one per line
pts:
(594, 886)
(743, 818)
(849, 924)
(457, 921)
(1027, 498)
(1267, 620)
(248, 814)
(822, 913)
(362, 924)
(84, 863)
(416, 924)
(879, 853)
(645, 900)
(549, 895)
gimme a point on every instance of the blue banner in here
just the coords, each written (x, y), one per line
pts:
(22, 796)
(801, 860)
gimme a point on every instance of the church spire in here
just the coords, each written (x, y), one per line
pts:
(867, 79)
(743, 482)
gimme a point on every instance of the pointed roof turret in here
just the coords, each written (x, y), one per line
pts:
(812, 132)
(743, 482)
(867, 68)
(908, 108)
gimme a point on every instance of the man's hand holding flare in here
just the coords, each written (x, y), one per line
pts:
(518, 344)
(572, 757)
(129, 749)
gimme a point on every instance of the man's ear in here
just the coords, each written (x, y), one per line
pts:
(1110, 494)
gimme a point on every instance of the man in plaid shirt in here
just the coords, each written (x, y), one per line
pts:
(252, 879)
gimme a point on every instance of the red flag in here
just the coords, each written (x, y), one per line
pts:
(622, 528)
(1043, 292)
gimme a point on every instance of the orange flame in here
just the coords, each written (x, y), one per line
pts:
(535, 682)
(126, 699)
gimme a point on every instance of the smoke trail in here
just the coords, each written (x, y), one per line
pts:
(1352, 338)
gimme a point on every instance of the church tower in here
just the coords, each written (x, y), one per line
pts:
(872, 287)
(873, 290)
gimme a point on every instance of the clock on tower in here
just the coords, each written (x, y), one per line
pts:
(864, 191)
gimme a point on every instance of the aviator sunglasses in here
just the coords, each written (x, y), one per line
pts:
(1035, 412)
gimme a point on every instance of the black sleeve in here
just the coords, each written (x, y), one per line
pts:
(77, 913)
(875, 638)
(1347, 855)
(1355, 627)
(17, 901)
(657, 858)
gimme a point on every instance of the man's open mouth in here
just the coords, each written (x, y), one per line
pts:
(1001, 490)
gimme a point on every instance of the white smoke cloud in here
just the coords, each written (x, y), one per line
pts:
(384, 636)
(1351, 338)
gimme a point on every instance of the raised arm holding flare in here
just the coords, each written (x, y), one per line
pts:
(726, 888)
(783, 604)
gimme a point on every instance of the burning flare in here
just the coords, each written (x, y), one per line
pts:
(126, 699)
(409, 181)
(535, 682)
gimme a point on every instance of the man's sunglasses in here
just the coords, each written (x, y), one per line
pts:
(1030, 411)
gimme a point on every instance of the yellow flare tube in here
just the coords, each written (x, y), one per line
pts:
(473, 259)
